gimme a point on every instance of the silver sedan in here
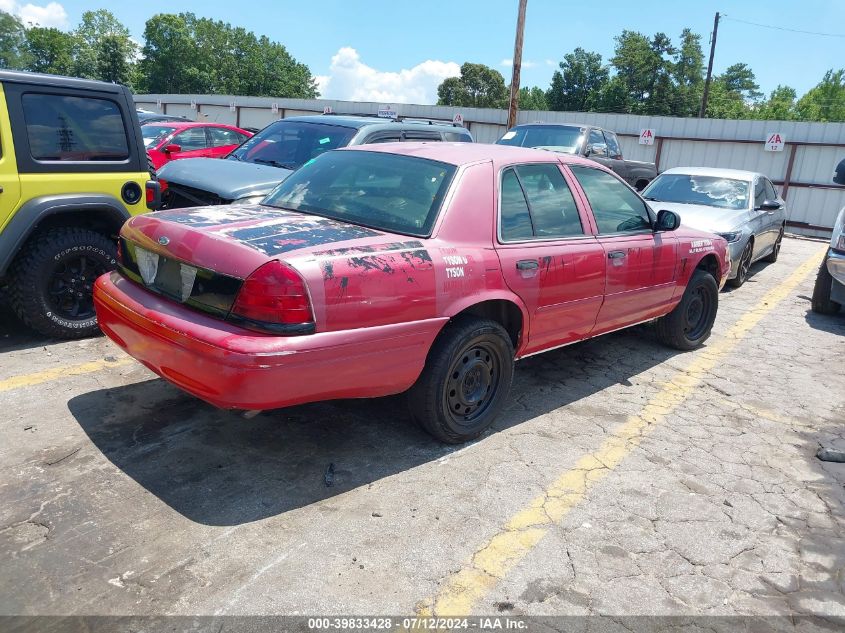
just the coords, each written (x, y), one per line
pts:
(742, 206)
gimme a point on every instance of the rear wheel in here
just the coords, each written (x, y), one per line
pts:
(690, 323)
(773, 256)
(822, 303)
(744, 266)
(465, 382)
(52, 281)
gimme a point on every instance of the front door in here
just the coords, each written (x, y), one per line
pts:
(192, 143)
(640, 264)
(548, 254)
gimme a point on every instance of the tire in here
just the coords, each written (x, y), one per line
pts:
(822, 303)
(475, 355)
(773, 256)
(52, 280)
(690, 323)
(744, 266)
(151, 168)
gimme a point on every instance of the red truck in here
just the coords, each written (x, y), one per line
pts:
(427, 268)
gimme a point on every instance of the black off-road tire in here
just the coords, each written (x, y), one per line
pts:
(151, 168)
(822, 303)
(690, 323)
(476, 355)
(40, 294)
(743, 268)
(773, 256)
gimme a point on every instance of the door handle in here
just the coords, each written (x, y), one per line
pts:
(527, 264)
(616, 254)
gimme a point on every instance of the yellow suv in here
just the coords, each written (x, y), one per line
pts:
(72, 169)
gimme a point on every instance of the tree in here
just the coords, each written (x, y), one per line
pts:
(576, 85)
(739, 79)
(825, 101)
(12, 41)
(645, 67)
(94, 30)
(779, 106)
(688, 75)
(532, 99)
(49, 50)
(479, 86)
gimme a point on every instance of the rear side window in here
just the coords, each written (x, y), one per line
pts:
(457, 137)
(415, 136)
(615, 207)
(75, 129)
(536, 203)
(222, 136)
(771, 192)
(759, 194)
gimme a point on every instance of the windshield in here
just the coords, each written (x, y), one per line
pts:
(379, 190)
(711, 191)
(154, 134)
(290, 144)
(560, 138)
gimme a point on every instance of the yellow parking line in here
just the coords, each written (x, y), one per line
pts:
(28, 380)
(490, 563)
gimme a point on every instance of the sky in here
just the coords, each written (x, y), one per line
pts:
(400, 51)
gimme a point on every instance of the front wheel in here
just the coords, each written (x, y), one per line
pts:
(744, 266)
(465, 382)
(773, 256)
(822, 303)
(52, 281)
(689, 324)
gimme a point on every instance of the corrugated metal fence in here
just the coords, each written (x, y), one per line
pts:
(803, 170)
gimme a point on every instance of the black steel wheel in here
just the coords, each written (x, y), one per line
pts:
(744, 266)
(53, 277)
(465, 382)
(690, 323)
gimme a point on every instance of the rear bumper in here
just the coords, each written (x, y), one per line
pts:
(233, 368)
(836, 265)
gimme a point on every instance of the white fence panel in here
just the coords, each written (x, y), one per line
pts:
(486, 132)
(807, 204)
(216, 114)
(257, 117)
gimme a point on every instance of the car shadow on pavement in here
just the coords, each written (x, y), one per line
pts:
(219, 468)
(834, 323)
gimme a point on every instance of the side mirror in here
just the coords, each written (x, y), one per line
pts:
(599, 149)
(667, 220)
(173, 147)
(770, 205)
(588, 149)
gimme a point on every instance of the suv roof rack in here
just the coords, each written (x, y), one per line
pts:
(398, 119)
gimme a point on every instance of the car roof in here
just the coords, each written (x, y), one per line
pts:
(58, 81)
(467, 153)
(716, 172)
(188, 124)
(358, 122)
(545, 124)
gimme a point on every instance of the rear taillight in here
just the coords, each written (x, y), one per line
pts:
(153, 191)
(274, 295)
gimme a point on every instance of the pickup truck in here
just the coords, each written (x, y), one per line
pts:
(588, 141)
(420, 267)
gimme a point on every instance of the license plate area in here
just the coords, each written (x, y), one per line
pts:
(172, 278)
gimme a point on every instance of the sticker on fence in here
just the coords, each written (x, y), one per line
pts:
(193, 104)
(232, 106)
(774, 142)
(274, 108)
(328, 110)
(387, 112)
(458, 119)
(647, 137)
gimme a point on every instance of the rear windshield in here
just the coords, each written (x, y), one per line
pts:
(724, 193)
(154, 134)
(290, 144)
(559, 138)
(384, 191)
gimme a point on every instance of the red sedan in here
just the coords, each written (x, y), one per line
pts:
(168, 141)
(427, 268)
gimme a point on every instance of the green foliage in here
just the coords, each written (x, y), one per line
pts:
(479, 86)
(186, 54)
(826, 101)
(532, 99)
(12, 39)
(104, 49)
(578, 82)
(49, 50)
(779, 106)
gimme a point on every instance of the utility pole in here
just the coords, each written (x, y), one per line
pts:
(709, 68)
(517, 64)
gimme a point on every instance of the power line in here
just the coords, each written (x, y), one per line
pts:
(783, 28)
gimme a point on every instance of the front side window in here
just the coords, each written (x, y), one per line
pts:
(759, 194)
(154, 134)
(191, 139)
(711, 191)
(771, 192)
(76, 129)
(536, 202)
(291, 144)
(612, 145)
(597, 145)
(560, 138)
(615, 207)
(374, 189)
(221, 136)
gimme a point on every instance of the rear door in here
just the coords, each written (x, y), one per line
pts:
(549, 254)
(640, 264)
(222, 140)
(10, 186)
